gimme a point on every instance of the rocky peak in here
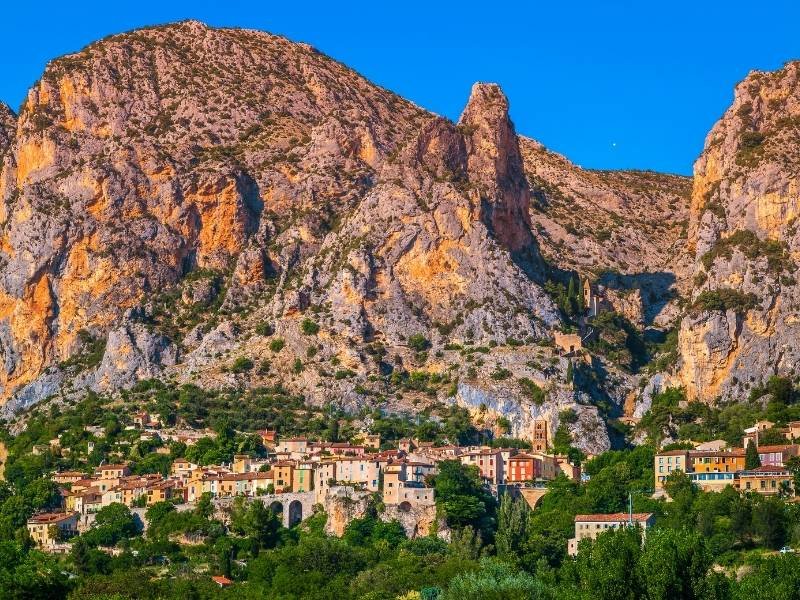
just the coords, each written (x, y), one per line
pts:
(496, 168)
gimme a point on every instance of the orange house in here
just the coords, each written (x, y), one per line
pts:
(521, 468)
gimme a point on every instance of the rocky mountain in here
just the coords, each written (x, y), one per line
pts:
(230, 208)
(744, 320)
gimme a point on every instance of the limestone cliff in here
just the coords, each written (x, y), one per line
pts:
(745, 320)
(179, 200)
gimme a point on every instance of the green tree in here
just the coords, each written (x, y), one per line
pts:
(607, 566)
(751, 458)
(674, 565)
(461, 498)
(512, 524)
(494, 581)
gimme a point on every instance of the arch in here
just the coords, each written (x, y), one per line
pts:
(276, 506)
(295, 512)
(404, 506)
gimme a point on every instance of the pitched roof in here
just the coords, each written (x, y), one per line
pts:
(612, 518)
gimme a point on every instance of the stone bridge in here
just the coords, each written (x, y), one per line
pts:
(532, 495)
(293, 507)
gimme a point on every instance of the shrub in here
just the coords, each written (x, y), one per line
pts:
(418, 342)
(531, 390)
(264, 329)
(277, 344)
(725, 299)
(241, 364)
(309, 327)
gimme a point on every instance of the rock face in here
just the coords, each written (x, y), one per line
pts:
(743, 232)
(192, 196)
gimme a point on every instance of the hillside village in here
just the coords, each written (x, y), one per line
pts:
(293, 474)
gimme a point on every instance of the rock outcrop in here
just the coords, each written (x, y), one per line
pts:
(244, 198)
(746, 318)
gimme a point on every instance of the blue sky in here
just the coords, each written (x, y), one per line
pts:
(610, 84)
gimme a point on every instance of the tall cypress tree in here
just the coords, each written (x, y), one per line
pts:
(751, 459)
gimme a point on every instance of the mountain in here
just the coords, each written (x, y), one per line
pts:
(226, 207)
(744, 320)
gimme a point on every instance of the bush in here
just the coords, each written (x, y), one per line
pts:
(531, 390)
(241, 365)
(418, 342)
(725, 299)
(309, 327)
(264, 329)
(277, 344)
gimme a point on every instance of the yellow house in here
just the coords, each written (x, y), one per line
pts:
(45, 528)
(768, 480)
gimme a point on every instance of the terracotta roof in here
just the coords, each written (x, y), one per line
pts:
(780, 448)
(221, 580)
(764, 469)
(46, 518)
(673, 453)
(736, 452)
(612, 518)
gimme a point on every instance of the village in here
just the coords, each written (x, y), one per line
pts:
(296, 475)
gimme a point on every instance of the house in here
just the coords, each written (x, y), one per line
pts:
(140, 420)
(268, 437)
(303, 477)
(726, 461)
(182, 467)
(405, 445)
(112, 471)
(282, 474)
(489, 462)
(590, 526)
(666, 462)
(242, 463)
(594, 300)
(713, 446)
(49, 528)
(572, 472)
(398, 489)
(360, 470)
(296, 447)
(768, 480)
(777, 456)
(160, 491)
(67, 476)
(521, 468)
(792, 430)
(751, 433)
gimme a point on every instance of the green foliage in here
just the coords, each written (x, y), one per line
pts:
(724, 299)
(418, 342)
(616, 338)
(461, 498)
(241, 365)
(532, 391)
(753, 248)
(751, 458)
(494, 581)
(277, 344)
(309, 327)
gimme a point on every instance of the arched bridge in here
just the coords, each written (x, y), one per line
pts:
(293, 507)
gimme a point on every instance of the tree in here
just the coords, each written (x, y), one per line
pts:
(674, 565)
(607, 566)
(751, 458)
(461, 497)
(512, 524)
(494, 581)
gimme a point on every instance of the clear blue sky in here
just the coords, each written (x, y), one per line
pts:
(581, 76)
